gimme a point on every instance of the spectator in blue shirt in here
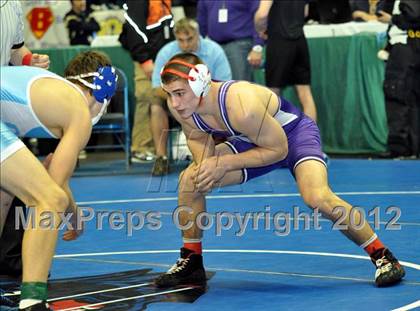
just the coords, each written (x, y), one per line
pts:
(231, 24)
(188, 39)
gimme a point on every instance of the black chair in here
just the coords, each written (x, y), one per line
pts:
(116, 123)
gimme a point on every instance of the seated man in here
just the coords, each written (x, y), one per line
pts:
(37, 103)
(187, 40)
(264, 132)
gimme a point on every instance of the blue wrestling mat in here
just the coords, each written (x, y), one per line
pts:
(271, 263)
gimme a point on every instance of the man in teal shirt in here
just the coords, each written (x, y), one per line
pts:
(188, 39)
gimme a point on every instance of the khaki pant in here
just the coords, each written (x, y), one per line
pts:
(141, 135)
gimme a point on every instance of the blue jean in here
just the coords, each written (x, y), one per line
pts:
(237, 53)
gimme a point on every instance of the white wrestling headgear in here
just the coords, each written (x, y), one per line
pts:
(199, 77)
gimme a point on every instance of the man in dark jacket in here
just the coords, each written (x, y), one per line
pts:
(148, 27)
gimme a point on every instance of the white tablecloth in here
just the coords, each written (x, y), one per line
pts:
(346, 29)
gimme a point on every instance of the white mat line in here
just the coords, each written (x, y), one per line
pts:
(129, 298)
(100, 291)
(249, 251)
(241, 196)
(410, 306)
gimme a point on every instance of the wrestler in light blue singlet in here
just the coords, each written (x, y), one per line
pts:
(17, 117)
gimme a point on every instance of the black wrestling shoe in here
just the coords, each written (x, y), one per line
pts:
(388, 270)
(42, 306)
(188, 270)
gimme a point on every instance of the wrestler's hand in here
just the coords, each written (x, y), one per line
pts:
(40, 60)
(75, 232)
(209, 172)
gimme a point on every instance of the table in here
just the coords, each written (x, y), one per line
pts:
(347, 80)
(345, 29)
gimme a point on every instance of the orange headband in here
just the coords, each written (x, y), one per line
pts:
(177, 72)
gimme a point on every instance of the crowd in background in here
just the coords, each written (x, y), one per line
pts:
(229, 25)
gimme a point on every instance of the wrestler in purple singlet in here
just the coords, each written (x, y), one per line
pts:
(302, 135)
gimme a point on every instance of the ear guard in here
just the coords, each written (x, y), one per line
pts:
(104, 83)
(199, 77)
(104, 86)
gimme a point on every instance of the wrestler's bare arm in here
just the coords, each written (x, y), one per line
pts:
(249, 115)
(64, 111)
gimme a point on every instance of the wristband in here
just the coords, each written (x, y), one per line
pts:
(26, 60)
